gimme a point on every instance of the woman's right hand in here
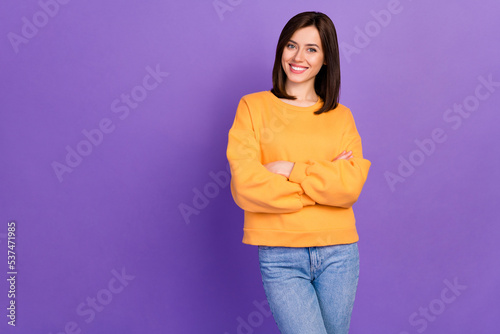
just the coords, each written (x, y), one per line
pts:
(344, 155)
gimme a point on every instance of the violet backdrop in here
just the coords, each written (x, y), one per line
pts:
(113, 128)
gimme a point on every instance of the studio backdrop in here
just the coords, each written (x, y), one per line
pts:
(116, 214)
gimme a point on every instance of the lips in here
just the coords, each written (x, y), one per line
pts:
(297, 69)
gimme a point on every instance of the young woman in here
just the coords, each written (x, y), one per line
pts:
(297, 168)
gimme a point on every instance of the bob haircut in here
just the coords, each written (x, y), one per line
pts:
(327, 81)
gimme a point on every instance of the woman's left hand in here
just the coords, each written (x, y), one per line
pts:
(280, 167)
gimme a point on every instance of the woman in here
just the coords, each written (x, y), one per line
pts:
(297, 168)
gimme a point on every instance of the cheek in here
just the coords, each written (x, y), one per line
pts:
(318, 60)
(285, 56)
(283, 63)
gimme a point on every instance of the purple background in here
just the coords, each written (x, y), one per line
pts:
(119, 207)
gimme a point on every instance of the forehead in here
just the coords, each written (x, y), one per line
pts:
(307, 35)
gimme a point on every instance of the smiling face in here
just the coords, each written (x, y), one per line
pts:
(303, 56)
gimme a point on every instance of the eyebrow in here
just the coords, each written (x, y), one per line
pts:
(306, 44)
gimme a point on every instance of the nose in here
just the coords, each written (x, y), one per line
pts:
(298, 56)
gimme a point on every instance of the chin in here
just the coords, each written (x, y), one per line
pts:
(294, 79)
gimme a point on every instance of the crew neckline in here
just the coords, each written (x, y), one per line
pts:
(279, 102)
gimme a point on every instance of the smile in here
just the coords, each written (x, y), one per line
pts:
(297, 69)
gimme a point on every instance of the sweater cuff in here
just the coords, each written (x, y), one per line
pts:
(306, 200)
(298, 173)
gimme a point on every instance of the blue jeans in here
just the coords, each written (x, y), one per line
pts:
(311, 290)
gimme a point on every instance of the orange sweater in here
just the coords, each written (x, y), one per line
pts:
(314, 206)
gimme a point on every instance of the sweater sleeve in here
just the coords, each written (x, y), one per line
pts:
(335, 183)
(253, 187)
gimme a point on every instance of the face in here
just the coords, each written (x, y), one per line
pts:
(303, 55)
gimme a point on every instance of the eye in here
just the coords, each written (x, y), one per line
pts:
(290, 46)
(311, 50)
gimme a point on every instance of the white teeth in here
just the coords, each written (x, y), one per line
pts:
(298, 68)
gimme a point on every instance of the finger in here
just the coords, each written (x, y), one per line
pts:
(344, 155)
(340, 156)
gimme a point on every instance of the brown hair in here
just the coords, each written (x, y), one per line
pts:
(327, 81)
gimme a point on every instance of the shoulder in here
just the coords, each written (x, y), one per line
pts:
(256, 102)
(341, 115)
(256, 97)
(340, 111)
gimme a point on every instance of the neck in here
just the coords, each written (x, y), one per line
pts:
(302, 91)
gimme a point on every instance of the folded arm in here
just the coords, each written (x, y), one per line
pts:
(337, 182)
(254, 188)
